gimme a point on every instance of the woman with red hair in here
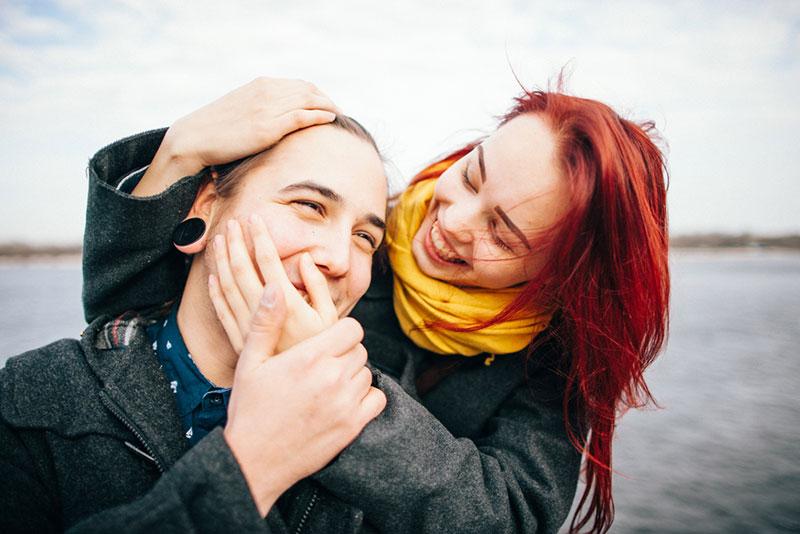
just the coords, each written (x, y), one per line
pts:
(599, 262)
(526, 291)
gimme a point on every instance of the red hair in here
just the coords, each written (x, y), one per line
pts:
(607, 275)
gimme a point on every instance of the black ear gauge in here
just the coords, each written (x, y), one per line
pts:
(188, 231)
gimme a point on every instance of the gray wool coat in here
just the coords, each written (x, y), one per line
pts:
(484, 449)
(91, 441)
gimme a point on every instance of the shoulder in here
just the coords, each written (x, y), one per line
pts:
(49, 368)
(46, 387)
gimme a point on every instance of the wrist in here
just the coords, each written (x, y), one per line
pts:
(265, 487)
(170, 164)
(172, 154)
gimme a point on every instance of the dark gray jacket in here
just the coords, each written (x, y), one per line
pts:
(91, 441)
(484, 450)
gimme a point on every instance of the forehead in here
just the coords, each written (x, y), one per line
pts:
(328, 156)
(522, 175)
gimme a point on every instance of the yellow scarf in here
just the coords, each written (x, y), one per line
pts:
(420, 300)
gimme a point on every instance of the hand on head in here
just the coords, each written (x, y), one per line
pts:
(242, 122)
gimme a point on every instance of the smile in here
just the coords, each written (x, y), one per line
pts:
(438, 248)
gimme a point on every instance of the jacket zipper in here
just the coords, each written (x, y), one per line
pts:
(125, 421)
(307, 512)
(139, 451)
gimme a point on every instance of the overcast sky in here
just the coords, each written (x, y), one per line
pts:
(720, 79)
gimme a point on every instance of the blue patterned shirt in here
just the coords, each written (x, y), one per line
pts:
(202, 406)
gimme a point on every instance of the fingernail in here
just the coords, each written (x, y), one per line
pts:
(211, 279)
(218, 241)
(232, 224)
(268, 298)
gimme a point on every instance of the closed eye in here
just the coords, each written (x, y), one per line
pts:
(465, 179)
(369, 238)
(310, 204)
(496, 237)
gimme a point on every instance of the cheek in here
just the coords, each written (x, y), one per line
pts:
(360, 277)
(444, 189)
(525, 269)
(289, 234)
(502, 274)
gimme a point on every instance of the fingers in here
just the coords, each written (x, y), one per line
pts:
(289, 105)
(309, 101)
(229, 324)
(334, 341)
(244, 272)
(268, 260)
(372, 405)
(318, 290)
(230, 290)
(358, 375)
(297, 119)
(265, 329)
(305, 95)
(354, 360)
(362, 381)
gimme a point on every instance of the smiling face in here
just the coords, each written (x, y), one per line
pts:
(321, 190)
(489, 207)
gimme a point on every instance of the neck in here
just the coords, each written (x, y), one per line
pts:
(202, 332)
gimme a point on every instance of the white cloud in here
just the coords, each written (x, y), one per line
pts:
(719, 79)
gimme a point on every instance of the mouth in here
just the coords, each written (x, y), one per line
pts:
(439, 249)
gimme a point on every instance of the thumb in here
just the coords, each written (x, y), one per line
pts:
(265, 327)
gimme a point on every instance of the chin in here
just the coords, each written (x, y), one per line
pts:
(427, 268)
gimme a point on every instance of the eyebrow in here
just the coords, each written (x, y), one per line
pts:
(512, 226)
(375, 220)
(481, 164)
(332, 195)
(326, 192)
(497, 209)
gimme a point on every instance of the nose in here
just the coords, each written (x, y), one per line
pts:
(459, 221)
(332, 256)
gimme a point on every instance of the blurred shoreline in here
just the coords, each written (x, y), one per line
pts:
(22, 253)
(746, 241)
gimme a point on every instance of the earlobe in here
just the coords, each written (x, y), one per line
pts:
(190, 235)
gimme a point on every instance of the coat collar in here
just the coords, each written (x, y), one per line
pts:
(121, 356)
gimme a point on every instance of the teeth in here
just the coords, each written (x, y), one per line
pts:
(441, 246)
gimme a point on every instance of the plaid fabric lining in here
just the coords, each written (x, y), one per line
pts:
(118, 332)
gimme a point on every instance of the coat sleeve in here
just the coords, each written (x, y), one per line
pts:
(128, 258)
(203, 492)
(411, 475)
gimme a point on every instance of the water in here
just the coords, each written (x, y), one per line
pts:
(720, 456)
(38, 304)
